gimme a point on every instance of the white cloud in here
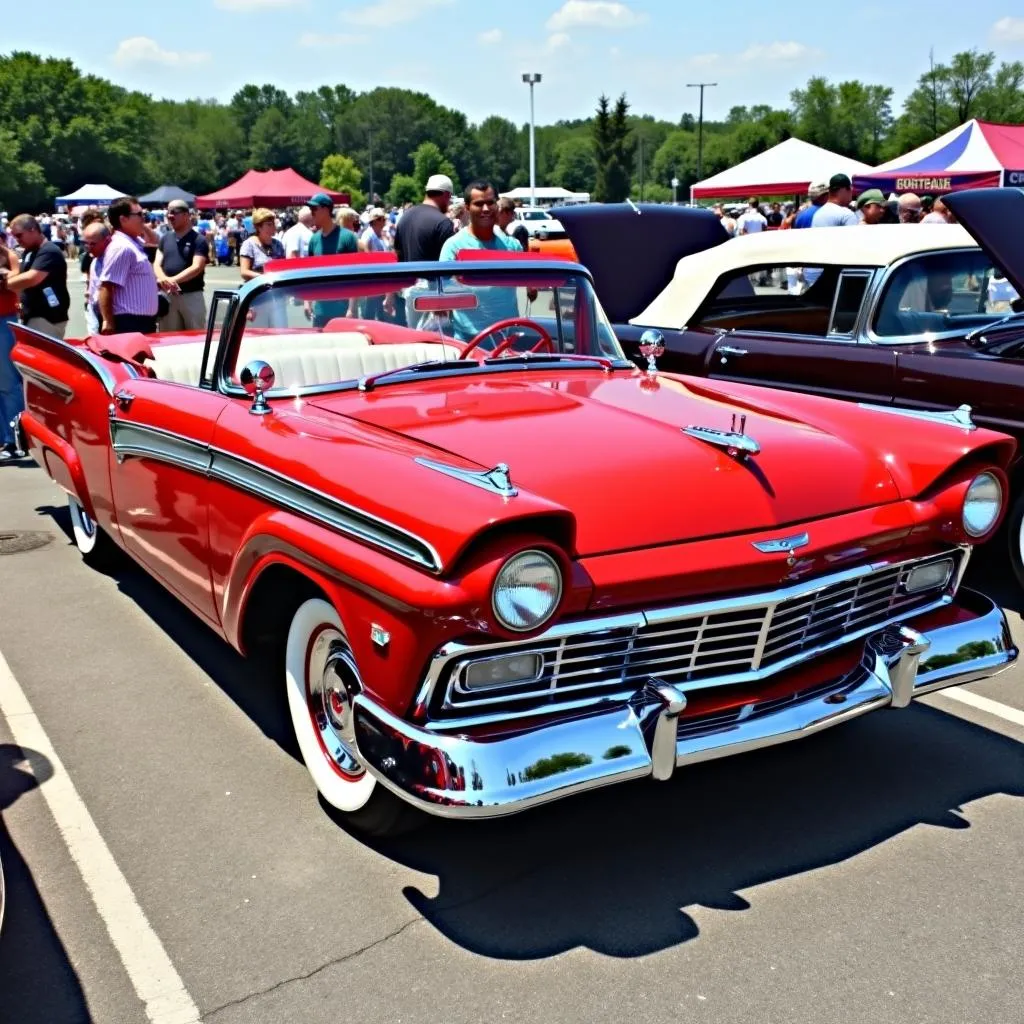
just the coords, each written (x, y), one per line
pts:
(490, 37)
(329, 40)
(593, 14)
(761, 54)
(247, 6)
(558, 41)
(143, 50)
(385, 13)
(1008, 30)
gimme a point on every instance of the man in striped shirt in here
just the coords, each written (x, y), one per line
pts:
(127, 293)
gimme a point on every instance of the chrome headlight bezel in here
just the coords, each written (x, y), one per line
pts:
(543, 561)
(991, 483)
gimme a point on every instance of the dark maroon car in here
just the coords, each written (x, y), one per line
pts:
(919, 318)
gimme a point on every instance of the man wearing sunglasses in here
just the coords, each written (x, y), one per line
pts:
(128, 293)
(42, 280)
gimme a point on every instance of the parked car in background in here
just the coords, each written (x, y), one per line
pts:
(539, 223)
(497, 564)
(924, 318)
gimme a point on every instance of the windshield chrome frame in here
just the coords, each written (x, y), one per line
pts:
(234, 326)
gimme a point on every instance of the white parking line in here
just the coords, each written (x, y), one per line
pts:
(990, 707)
(152, 974)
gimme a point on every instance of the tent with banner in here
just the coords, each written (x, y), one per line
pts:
(784, 170)
(90, 195)
(164, 194)
(272, 189)
(977, 154)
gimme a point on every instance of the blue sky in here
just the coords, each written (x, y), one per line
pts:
(470, 54)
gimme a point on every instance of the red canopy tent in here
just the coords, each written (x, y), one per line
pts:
(266, 188)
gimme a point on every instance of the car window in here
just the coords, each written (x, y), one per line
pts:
(791, 299)
(937, 293)
(849, 297)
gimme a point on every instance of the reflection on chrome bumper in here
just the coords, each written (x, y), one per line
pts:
(487, 776)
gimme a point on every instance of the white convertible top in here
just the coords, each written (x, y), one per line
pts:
(862, 246)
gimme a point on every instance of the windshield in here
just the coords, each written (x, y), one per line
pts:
(535, 215)
(319, 333)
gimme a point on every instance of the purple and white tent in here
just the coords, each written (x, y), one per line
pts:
(977, 154)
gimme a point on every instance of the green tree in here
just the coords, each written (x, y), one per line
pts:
(499, 143)
(404, 189)
(677, 158)
(428, 160)
(613, 151)
(340, 174)
(575, 167)
(271, 143)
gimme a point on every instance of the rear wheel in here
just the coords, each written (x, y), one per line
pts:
(95, 546)
(321, 679)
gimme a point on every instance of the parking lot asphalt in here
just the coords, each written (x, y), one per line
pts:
(866, 874)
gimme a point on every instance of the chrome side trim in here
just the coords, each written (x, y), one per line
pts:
(91, 360)
(47, 383)
(135, 440)
(959, 417)
(497, 480)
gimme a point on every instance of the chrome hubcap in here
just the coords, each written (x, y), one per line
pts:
(85, 521)
(332, 681)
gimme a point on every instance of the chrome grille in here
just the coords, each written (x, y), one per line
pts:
(724, 641)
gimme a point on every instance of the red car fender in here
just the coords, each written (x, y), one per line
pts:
(58, 458)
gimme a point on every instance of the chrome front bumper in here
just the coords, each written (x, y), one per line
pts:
(484, 776)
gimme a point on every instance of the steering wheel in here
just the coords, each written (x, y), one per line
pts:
(515, 321)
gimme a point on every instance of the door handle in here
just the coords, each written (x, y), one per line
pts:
(124, 398)
(724, 351)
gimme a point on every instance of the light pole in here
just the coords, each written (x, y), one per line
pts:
(531, 80)
(700, 124)
(369, 135)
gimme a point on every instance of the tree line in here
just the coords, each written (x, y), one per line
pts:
(60, 128)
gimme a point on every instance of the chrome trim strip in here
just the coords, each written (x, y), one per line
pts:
(47, 383)
(592, 627)
(135, 440)
(958, 417)
(497, 480)
(93, 361)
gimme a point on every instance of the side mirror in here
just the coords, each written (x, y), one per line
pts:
(257, 378)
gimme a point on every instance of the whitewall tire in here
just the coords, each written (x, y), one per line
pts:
(95, 546)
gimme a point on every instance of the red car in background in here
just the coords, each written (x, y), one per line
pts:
(498, 563)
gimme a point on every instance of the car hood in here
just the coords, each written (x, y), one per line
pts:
(995, 217)
(632, 251)
(611, 450)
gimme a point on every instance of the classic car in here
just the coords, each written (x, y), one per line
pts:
(500, 564)
(539, 223)
(921, 318)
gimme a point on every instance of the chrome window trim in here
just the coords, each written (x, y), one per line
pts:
(135, 440)
(442, 659)
(849, 272)
(899, 340)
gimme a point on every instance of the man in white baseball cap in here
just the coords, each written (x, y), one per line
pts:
(422, 230)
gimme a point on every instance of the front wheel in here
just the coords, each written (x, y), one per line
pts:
(321, 679)
(95, 546)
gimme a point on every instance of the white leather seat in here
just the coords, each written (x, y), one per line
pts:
(300, 360)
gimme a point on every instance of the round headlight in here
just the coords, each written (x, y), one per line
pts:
(527, 591)
(982, 504)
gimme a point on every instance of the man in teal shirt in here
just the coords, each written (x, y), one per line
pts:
(328, 239)
(497, 303)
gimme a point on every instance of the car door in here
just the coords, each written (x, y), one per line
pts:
(821, 355)
(160, 442)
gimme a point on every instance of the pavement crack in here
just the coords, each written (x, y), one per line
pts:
(210, 1014)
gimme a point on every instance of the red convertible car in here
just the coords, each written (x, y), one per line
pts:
(501, 564)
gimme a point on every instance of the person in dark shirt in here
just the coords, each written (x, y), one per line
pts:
(513, 228)
(42, 280)
(774, 218)
(422, 230)
(180, 268)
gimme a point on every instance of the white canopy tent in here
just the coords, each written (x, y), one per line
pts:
(90, 195)
(784, 170)
(546, 195)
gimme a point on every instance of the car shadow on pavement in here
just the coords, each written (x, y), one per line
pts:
(618, 870)
(37, 980)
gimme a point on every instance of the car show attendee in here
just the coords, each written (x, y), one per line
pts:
(372, 238)
(96, 239)
(835, 212)
(42, 279)
(422, 230)
(510, 225)
(349, 220)
(86, 263)
(909, 208)
(817, 195)
(296, 238)
(180, 271)
(775, 216)
(938, 214)
(871, 206)
(752, 220)
(259, 248)
(11, 395)
(128, 295)
(330, 239)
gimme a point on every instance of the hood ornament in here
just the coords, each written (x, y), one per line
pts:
(734, 442)
(652, 347)
(497, 480)
(783, 545)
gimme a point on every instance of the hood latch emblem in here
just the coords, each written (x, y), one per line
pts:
(783, 545)
(734, 442)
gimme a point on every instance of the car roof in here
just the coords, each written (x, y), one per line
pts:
(861, 246)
